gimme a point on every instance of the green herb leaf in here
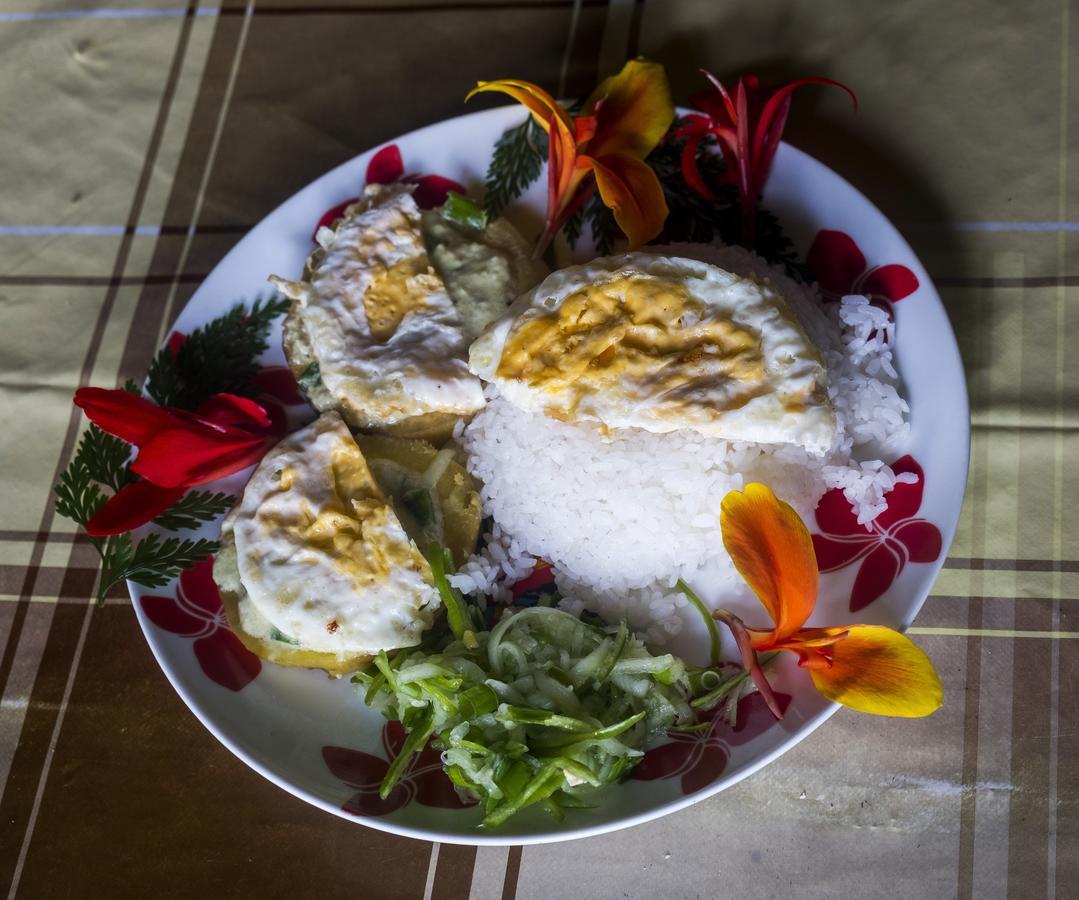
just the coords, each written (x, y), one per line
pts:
(153, 562)
(309, 379)
(193, 509)
(462, 211)
(220, 357)
(422, 507)
(280, 636)
(518, 159)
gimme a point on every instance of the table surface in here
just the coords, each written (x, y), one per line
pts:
(141, 140)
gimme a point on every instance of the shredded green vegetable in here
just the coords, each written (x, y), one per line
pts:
(539, 710)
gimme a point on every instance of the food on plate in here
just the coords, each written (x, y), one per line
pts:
(316, 567)
(621, 512)
(381, 320)
(432, 494)
(540, 709)
(661, 343)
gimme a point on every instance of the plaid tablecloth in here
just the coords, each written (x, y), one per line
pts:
(142, 138)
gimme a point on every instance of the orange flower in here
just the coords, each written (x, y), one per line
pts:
(869, 668)
(621, 123)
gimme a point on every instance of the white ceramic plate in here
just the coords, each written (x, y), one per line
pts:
(313, 736)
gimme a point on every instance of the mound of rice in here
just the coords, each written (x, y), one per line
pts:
(622, 517)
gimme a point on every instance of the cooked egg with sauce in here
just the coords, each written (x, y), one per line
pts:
(318, 559)
(661, 343)
(381, 320)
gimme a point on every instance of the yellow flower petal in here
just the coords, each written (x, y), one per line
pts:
(772, 550)
(878, 670)
(633, 192)
(635, 110)
(541, 104)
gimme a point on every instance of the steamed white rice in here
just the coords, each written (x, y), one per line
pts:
(622, 517)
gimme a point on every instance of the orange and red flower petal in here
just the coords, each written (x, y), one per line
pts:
(631, 190)
(538, 102)
(772, 550)
(878, 670)
(633, 110)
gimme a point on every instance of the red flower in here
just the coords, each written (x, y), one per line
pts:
(386, 167)
(699, 758)
(177, 449)
(840, 269)
(894, 538)
(424, 779)
(196, 612)
(748, 128)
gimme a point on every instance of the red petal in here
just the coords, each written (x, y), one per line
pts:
(199, 588)
(710, 765)
(186, 457)
(666, 760)
(226, 661)
(434, 788)
(228, 410)
(691, 174)
(541, 575)
(369, 803)
(166, 613)
(132, 506)
(892, 281)
(904, 500)
(332, 215)
(386, 166)
(279, 383)
(875, 576)
(921, 538)
(836, 516)
(432, 190)
(835, 554)
(131, 418)
(354, 767)
(174, 343)
(835, 261)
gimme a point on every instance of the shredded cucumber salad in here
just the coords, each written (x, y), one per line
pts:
(542, 708)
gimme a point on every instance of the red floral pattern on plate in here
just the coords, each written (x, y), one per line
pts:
(386, 167)
(196, 612)
(424, 780)
(841, 268)
(699, 758)
(895, 538)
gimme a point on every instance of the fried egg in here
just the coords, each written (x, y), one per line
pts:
(661, 343)
(373, 321)
(323, 560)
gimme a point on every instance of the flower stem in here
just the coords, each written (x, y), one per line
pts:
(749, 658)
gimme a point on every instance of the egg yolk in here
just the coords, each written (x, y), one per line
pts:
(647, 333)
(394, 292)
(354, 525)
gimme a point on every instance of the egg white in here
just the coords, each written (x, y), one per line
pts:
(785, 401)
(321, 554)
